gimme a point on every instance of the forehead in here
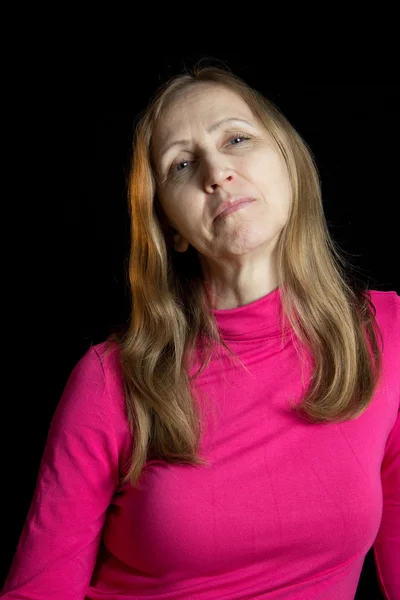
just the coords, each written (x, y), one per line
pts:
(200, 105)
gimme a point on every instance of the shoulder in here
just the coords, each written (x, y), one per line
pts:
(98, 364)
(388, 303)
(387, 315)
(387, 311)
(107, 359)
(97, 378)
(94, 377)
(107, 355)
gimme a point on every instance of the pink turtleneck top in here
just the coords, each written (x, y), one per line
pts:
(286, 510)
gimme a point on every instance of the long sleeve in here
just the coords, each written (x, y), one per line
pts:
(77, 478)
(387, 543)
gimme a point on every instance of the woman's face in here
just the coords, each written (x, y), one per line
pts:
(208, 147)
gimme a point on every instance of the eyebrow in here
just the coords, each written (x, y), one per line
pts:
(212, 128)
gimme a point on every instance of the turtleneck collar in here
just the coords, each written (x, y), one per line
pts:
(254, 321)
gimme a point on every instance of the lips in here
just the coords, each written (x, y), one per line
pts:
(232, 202)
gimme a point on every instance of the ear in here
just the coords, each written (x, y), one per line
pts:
(181, 244)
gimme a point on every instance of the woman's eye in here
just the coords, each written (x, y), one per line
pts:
(176, 167)
(239, 137)
(179, 165)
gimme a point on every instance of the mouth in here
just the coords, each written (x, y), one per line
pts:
(232, 205)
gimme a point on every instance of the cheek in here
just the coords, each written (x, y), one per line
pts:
(171, 198)
(280, 178)
(271, 177)
(259, 170)
(182, 209)
(168, 203)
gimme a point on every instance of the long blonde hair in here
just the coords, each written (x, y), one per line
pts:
(170, 306)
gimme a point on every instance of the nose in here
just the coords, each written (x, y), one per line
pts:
(217, 174)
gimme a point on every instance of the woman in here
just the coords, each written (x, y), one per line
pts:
(239, 438)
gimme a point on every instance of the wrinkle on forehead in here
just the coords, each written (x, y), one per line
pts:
(172, 113)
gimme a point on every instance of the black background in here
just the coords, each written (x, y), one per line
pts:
(71, 246)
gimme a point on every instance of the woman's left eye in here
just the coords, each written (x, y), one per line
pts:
(239, 137)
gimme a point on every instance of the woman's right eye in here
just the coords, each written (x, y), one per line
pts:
(175, 166)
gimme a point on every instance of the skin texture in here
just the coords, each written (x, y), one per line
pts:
(237, 252)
